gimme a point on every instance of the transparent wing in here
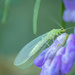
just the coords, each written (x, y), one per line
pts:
(23, 60)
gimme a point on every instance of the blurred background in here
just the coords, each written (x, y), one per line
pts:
(17, 30)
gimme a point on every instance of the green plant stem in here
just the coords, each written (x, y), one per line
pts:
(35, 15)
(62, 21)
(6, 7)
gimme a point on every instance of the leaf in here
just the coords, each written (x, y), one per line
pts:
(35, 15)
(7, 2)
(73, 73)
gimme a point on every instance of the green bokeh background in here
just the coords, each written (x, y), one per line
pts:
(18, 30)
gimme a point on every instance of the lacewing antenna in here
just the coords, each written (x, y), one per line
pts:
(55, 21)
(70, 28)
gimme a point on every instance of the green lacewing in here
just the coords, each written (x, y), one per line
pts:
(30, 51)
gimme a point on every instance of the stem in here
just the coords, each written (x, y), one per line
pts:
(35, 15)
(5, 11)
(62, 21)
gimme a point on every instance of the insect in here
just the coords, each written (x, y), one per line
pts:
(30, 51)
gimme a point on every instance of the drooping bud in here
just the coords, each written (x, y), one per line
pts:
(69, 56)
(50, 52)
(57, 44)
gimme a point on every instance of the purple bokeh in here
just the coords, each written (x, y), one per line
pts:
(69, 13)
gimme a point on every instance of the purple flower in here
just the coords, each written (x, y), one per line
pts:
(69, 13)
(68, 58)
(45, 67)
(51, 51)
(57, 44)
(53, 68)
(39, 60)
(57, 60)
(44, 60)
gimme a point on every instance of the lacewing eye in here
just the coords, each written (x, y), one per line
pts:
(61, 28)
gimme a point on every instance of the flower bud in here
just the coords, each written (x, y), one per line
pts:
(57, 44)
(68, 58)
(39, 60)
(53, 68)
(69, 13)
(51, 51)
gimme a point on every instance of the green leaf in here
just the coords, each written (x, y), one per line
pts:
(73, 73)
(62, 21)
(35, 15)
(5, 11)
